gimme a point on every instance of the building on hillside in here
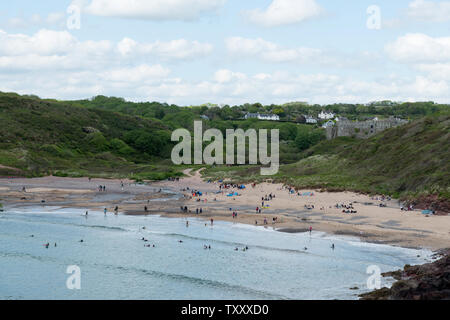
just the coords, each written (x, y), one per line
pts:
(270, 117)
(251, 116)
(325, 115)
(204, 117)
(310, 120)
(340, 119)
(362, 129)
(327, 124)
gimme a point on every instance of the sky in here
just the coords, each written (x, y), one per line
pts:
(191, 52)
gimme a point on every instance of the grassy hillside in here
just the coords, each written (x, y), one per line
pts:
(408, 161)
(40, 137)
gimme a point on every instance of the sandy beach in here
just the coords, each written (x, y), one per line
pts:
(292, 212)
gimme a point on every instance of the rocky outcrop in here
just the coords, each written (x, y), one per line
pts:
(431, 202)
(430, 281)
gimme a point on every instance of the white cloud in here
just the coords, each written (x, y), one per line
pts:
(429, 10)
(418, 47)
(179, 49)
(224, 76)
(152, 10)
(271, 52)
(49, 49)
(53, 19)
(139, 74)
(283, 12)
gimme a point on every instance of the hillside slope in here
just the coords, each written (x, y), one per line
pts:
(41, 137)
(411, 161)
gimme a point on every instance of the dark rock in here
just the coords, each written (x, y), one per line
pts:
(430, 281)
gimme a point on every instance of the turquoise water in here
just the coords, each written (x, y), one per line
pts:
(115, 264)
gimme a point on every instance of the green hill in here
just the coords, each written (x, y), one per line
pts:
(41, 137)
(110, 137)
(411, 161)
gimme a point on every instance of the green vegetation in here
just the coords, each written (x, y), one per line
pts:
(293, 111)
(111, 137)
(408, 161)
(48, 137)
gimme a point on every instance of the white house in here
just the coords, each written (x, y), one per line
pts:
(310, 120)
(271, 117)
(251, 116)
(326, 115)
(327, 124)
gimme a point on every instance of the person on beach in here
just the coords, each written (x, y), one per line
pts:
(187, 223)
(212, 221)
(116, 210)
(310, 230)
(145, 209)
(86, 213)
(332, 246)
(104, 211)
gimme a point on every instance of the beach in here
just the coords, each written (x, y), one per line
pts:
(286, 212)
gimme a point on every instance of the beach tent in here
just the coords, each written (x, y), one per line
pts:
(241, 186)
(427, 212)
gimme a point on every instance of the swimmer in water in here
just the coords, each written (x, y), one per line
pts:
(332, 246)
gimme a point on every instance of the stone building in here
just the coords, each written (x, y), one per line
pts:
(362, 129)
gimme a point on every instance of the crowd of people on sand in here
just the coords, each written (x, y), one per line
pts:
(102, 188)
(346, 208)
(381, 198)
(408, 208)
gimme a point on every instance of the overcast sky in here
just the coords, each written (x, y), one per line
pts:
(227, 51)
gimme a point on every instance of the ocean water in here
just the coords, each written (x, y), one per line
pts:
(115, 264)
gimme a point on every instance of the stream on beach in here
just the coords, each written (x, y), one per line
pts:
(114, 262)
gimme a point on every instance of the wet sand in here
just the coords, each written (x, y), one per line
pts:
(371, 223)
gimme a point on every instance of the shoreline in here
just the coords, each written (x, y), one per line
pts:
(373, 224)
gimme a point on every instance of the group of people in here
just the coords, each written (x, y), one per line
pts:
(148, 245)
(102, 188)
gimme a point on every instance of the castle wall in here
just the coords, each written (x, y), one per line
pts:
(361, 129)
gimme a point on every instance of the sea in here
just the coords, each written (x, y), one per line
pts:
(104, 257)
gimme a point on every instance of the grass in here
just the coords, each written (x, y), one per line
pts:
(405, 162)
